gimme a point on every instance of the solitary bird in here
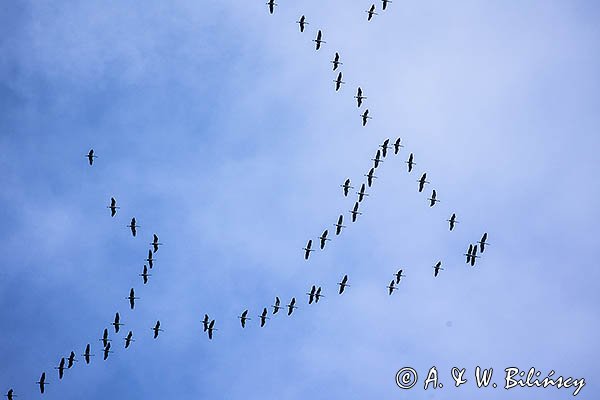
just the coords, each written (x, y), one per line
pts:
(385, 3)
(243, 318)
(399, 275)
(107, 351)
(343, 284)
(113, 207)
(105, 338)
(452, 221)
(86, 356)
(437, 268)
(422, 181)
(42, 382)
(370, 176)
(291, 306)
(211, 328)
(318, 294)
(361, 193)
(371, 12)
(129, 339)
(355, 212)
(10, 394)
(319, 40)
(117, 322)
(271, 5)
(359, 97)
(391, 287)
(346, 187)
(483, 243)
(155, 243)
(131, 299)
(307, 249)
(377, 159)
(302, 22)
(384, 147)
(277, 305)
(263, 317)
(145, 274)
(90, 156)
(150, 259)
(133, 226)
(71, 360)
(433, 199)
(61, 368)
(205, 322)
(336, 61)
(410, 162)
(323, 238)
(397, 145)
(156, 329)
(339, 225)
(365, 117)
(311, 294)
(338, 82)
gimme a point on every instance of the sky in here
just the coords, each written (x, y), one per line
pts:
(217, 126)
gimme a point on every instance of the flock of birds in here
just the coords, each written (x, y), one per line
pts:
(315, 292)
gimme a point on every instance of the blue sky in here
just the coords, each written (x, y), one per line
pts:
(217, 126)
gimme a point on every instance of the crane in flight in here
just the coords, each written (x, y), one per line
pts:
(107, 351)
(343, 284)
(61, 368)
(42, 382)
(263, 317)
(385, 3)
(318, 294)
(311, 294)
(205, 322)
(377, 159)
(422, 182)
(117, 322)
(307, 249)
(361, 193)
(365, 117)
(71, 360)
(397, 145)
(211, 328)
(113, 207)
(243, 318)
(437, 268)
(471, 255)
(359, 97)
(10, 394)
(276, 306)
(155, 243)
(384, 147)
(156, 329)
(452, 221)
(133, 226)
(86, 356)
(291, 306)
(410, 162)
(346, 187)
(355, 212)
(302, 22)
(150, 259)
(271, 5)
(339, 225)
(319, 40)
(336, 61)
(132, 298)
(129, 339)
(483, 242)
(323, 238)
(399, 275)
(105, 338)
(371, 12)
(339, 82)
(90, 156)
(370, 176)
(433, 199)
(391, 287)
(145, 274)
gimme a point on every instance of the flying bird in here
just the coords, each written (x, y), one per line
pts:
(437, 268)
(302, 22)
(42, 382)
(338, 82)
(410, 162)
(433, 199)
(145, 274)
(399, 276)
(71, 360)
(343, 284)
(422, 181)
(384, 147)
(370, 176)
(117, 322)
(128, 339)
(311, 294)
(131, 299)
(277, 305)
(205, 322)
(323, 238)
(318, 40)
(365, 117)
(271, 5)
(155, 243)
(483, 243)
(150, 259)
(346, 186)
(336, 61)
(361, 193)
(113, 207)
(243, 318)
(90, 156)
(105, 338)
(397, 145)
(355, 212)
(107, 351)
(377, 159)
(211, 328)
(471, 255)
(263, 317)
(385, 3)
(339, 225)
(133, 226)
(452, 221)
(156, 329)
(10, 394)
(359, 97)
(86, 356)
(318, 294)
(307, 249)
(291, 306)
(371, 12)
(61, 368)
(391, 287)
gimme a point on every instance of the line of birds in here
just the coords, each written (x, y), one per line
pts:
(370, 12)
